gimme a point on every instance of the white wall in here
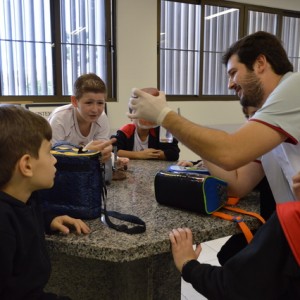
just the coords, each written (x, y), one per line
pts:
(137, 67)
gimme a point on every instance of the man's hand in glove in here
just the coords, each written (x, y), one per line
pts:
(148, 107)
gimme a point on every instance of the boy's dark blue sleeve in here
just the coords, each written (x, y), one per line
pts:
(46, 217)
(123, 142)
(171, 150)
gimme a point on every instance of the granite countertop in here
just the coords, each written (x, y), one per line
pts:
(135, 195)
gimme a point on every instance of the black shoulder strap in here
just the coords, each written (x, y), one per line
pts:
(140, 225)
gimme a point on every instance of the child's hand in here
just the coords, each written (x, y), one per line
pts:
(149, 153)
(182, 246)
(63, 223)
(296, 185)
(105, 147)
(122, 163)
(161, 155)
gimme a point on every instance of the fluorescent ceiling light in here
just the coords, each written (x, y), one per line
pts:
(221, 13)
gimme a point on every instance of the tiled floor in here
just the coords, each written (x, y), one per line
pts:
(208, 255)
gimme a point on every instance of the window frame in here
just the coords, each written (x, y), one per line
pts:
(243, 21)
(110, 40)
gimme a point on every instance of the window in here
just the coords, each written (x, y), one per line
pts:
(46, 44)
(261, 21)
(180, 48)
(26, 48)
(221, 29)
(194, 36)
(291, 38)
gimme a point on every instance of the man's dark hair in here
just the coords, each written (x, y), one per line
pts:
(260, 43)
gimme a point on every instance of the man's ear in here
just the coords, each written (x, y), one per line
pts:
(74, 101)
(25, 165)
(261, 63)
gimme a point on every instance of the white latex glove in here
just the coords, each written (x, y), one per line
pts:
(148, 107)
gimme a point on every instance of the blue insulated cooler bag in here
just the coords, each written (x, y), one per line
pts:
(77, 189)
(190, 191)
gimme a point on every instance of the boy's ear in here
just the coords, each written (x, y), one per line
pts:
(25, 165)
(74, 101)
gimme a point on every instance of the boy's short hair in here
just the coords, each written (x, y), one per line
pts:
(21, 132)
(88, 83)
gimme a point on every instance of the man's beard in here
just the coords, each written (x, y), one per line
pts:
(252, 91)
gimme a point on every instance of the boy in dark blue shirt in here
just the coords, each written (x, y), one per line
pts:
(26, 165)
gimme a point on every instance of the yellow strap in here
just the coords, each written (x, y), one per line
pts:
(73, 152)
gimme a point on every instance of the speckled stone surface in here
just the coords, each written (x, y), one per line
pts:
(132, 265)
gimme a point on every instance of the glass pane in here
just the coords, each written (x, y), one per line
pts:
(83, 21)
(261, 21)
(25, 20)
(291, 40)
(220, 31)
(83, 40)
(24, 69)
(25, 48)
(214, 75)
(81, 59)
(179, 48)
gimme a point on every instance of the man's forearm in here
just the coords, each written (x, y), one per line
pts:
(206, 142)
